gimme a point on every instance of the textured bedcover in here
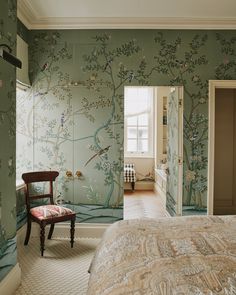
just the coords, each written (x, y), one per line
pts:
(182, 255)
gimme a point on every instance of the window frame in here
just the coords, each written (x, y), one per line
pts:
(150, 113)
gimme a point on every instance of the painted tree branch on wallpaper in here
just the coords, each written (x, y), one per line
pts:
(181, 63)
(7, 149)
(78, 121)
(226, 70)
(106, 67)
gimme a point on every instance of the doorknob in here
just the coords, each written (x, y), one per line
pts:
(69, 173)
(78, 173)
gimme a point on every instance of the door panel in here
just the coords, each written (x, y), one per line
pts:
(225, 133)
(174, 152)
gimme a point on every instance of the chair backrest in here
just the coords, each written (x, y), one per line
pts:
(129, 166)
(39, 176)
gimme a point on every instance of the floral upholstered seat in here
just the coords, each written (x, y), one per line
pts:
(50, 211)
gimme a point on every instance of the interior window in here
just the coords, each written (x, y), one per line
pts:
(138, 121)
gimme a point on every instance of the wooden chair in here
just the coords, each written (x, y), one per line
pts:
(130, 174)
(46, 214)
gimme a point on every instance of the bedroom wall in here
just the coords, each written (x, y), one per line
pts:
(78, 79)
(7, 145)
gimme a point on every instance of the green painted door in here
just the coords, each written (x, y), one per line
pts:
(174, 152)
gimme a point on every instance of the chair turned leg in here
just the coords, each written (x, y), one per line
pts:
(132, 185)
(51, 231)
(42, 237)
(72, 232)
(28, 231)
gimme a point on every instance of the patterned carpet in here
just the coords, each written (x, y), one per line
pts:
(62, 270)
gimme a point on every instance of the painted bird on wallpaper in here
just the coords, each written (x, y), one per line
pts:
(99, 153)
(109, 61)
(45, 66)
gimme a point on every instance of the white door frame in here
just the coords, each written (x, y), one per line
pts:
(181, 143)
(213, 85)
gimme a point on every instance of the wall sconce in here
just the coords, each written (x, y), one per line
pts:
(7, 56)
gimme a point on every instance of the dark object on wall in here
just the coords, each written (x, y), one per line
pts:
(7, 56)
(164, 120)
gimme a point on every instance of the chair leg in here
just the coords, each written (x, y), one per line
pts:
(51, 231)
(28, 231)
(72, 232)
(132, 185)
(42, 237)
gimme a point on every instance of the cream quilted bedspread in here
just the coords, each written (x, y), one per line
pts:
(182, 255)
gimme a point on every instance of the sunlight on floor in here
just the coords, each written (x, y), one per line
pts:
(139, 204)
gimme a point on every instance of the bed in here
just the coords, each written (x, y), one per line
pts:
(167, 256)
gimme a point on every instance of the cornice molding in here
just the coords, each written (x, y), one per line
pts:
(28, 16)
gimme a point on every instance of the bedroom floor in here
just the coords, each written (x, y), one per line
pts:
(64, 270)
(61, 271)
(140, 204)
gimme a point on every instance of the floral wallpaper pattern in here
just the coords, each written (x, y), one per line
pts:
(78, 80)
(7, 145)
(172, 153)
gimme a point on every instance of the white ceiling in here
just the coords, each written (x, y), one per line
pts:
(37, 14)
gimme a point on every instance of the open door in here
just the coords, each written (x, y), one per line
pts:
(174, 152)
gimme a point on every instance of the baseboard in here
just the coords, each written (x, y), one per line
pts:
(62, 230)
(140, 185)
(162, 196)
(160, 193)
(11, 281)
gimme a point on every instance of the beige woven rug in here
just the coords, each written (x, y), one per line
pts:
(62, 270)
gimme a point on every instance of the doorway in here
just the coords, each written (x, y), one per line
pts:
(153, 143)
(222, 148)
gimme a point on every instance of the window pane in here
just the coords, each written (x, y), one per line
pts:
(143, 132)
(131, 132)
(143, 120)
(138, 99)
(132, 145)
(143, 145)
(132, 120)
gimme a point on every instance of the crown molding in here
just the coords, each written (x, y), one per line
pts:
(129, 23)
(28, 15)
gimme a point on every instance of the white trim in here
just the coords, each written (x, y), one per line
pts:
(62, 230)
(213, 84)
(19, 184)
(25, 14)
(180, 139)
(162, 196)
(11, 281)
(142, 156)
(28, 16)
(22, 86)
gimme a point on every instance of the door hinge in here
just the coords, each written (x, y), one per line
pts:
(180, 102)
(180, 161)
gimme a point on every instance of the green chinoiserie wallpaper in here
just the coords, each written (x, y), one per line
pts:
(75, 106)
(7, 142)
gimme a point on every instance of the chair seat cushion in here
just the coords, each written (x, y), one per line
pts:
(49, 211)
